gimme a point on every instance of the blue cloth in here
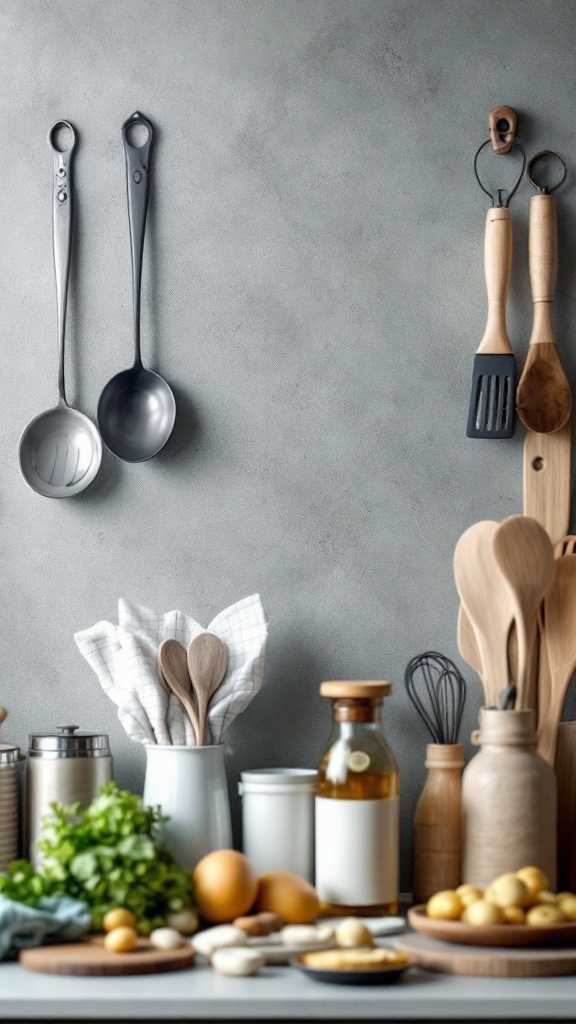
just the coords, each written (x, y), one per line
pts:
(55, 918)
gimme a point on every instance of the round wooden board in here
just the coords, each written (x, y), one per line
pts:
(90, 957)
(505, 935)
(482, 961)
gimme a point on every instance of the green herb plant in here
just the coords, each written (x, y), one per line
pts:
(108, 855)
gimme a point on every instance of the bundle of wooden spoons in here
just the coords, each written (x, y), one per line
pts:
(502, 573)
(193, 676)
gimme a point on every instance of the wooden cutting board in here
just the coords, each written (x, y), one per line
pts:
(90, 958)
(484, 961)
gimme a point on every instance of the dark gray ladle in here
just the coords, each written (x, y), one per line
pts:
(136, 410)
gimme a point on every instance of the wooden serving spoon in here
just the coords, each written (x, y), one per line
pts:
(485, 595)
(174, 668)
(524, 553)
(468, 647)
(207, 664)
(543, 399)
(3, 714)
(559, 640)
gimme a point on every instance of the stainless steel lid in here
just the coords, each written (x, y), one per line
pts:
(9, 754)
(67, 742)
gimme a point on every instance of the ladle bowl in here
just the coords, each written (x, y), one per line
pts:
(136, 414)
(59, 452)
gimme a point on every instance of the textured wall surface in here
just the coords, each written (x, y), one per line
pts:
(314, 292)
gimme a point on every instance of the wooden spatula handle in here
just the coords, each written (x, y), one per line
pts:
(543, 249)
(498, 266)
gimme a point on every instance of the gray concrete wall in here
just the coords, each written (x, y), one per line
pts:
(313, 291)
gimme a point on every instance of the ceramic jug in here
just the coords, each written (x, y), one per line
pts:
(508, 801)
(189, 784)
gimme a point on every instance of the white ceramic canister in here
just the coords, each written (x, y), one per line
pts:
(9, 811)
(278, 819)
(189, 784)
(64, 767)
(508, 801)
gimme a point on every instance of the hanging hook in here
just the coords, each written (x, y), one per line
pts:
(502, 125)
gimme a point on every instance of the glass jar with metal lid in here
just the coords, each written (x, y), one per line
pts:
(9, 816)
(64, 767)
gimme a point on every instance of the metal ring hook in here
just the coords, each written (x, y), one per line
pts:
(546, 190)
(500, 196)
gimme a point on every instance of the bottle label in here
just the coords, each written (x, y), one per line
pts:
(357, 851)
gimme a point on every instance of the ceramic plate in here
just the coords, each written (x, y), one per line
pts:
(367, 976)
(379, 926)
(491, 935)
(280, 953)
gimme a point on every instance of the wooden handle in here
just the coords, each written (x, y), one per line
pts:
(543, 248)
(498, 266)
(3, 714)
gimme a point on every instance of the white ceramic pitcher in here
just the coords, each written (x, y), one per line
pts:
(189, 784)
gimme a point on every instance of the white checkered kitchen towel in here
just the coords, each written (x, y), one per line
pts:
(124, 657)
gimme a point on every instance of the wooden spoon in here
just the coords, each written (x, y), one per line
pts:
(174, 667)
(3, 714)
(543, 399)
(207, 664)
(559, 639)
(486, 597)
(468, 647)
(524, 552)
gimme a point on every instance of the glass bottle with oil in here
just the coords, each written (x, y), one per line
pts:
(357, 840)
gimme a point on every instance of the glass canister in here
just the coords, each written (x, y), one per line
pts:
(508, 801)
(63, 767)
(357, 802)
(9, 810)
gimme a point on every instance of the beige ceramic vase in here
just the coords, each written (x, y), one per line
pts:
(438, 823)
(508, 801)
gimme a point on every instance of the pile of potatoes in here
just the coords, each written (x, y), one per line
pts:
(519, 898)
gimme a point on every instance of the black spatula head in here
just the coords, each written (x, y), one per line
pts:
(491, 412)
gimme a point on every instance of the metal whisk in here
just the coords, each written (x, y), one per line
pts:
(438, 692)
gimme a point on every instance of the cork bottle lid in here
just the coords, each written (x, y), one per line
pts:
(355, 689)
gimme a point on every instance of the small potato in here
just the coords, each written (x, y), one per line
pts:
(514, 915)
(508, 891)
(184, 921)
(544, 916)
(121, 940)
(353, 932)
(469, 894)
(533, 878)
(482, 913)
(568, 906)
(118, 917)
(545, 896)
(444, 906)
(166, 938)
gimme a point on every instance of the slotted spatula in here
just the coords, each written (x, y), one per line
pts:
(491, 411)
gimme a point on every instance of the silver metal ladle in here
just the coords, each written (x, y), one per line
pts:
(136, 410)
(60, 450)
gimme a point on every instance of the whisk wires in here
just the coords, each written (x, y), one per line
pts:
(438, 692)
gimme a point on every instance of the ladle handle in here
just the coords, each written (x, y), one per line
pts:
(62, 236)
(137, 182)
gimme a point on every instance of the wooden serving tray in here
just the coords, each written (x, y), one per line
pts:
(504, 935)
(90, 958)
(481, 961)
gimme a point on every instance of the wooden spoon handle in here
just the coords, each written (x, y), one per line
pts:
(548, 730)
(543, 249)
(498, 266)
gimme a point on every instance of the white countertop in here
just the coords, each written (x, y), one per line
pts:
(279, 993)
